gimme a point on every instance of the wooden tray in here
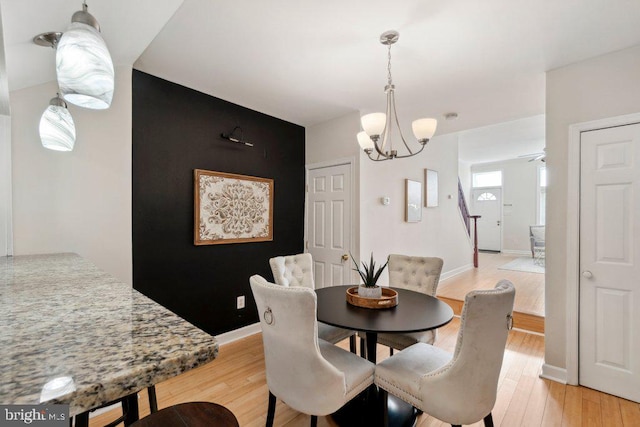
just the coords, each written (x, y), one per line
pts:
(389, 299)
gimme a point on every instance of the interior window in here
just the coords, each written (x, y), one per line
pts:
(486, 196)
(487, 179)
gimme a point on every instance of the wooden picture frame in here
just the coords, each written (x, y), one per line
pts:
(430, 188)
(413, 201)
(230, 208)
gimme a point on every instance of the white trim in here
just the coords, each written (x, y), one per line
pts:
(455, 272)
(238, 334)
(351, 161)
(554, 373)
(573, 236)
(6, 224)
(515, 252)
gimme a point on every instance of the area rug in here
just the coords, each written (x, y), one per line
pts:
(523, 264)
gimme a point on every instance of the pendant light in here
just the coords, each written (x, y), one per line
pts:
(375, 139)
(83, 63)
(57, 130)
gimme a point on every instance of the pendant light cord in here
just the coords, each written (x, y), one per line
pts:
(389, 81)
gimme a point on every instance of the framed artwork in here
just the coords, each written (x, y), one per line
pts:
(413, 195)
(231, 208)
(430, 188)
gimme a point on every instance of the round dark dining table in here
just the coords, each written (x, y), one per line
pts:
(415, 312)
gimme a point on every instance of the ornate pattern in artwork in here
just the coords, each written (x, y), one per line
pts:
(232, 208)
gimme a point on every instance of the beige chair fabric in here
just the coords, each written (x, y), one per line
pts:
(420, 274)
(309, 374)
(536, 236)
(297, 271)
(459, 388)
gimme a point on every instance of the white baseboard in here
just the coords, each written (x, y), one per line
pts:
(554, 373)
(238, 334)
(515, 252)
(455, 272)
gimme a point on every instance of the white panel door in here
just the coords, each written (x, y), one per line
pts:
(610, 261)
(487, 202)
(329, 224)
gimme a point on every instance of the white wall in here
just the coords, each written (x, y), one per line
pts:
(6, 238)
(441, 232)
(519, 200)
(598, 88)
(78, 201)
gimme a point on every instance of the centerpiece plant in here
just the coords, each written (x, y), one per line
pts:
(370, 276)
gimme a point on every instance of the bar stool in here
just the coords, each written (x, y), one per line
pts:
(192, 414)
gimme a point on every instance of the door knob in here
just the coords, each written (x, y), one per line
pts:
(345, 257)
(587, 274)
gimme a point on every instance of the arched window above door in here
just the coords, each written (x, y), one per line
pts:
(486, 196)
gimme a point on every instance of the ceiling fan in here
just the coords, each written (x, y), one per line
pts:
(536, 156)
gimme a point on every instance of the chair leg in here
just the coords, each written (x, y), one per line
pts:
(488, 420)
(363, 348)
(153, 400)
(352, 344)
(271, 412)
(314, 421)
(384, 396)
(390, 351)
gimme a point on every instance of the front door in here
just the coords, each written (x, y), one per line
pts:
(329, 224)
(610, 261)
(487, 202)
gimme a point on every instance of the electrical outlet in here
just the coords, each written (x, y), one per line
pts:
(240, 302)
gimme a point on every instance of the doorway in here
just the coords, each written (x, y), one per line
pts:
(329, 216)
(609, 260)
(487, 202)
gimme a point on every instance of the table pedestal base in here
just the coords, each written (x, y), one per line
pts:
(366, 411)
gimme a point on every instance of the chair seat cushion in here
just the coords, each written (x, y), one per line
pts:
(402, 341)
(358, 372)
(333, 334)
(400, 374)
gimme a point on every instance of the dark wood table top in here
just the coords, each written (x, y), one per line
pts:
(415, 312)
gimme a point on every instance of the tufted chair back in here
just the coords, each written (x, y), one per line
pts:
(458, 388)
(420, 274)
(297, 372)
(464, 390)
(293, 270)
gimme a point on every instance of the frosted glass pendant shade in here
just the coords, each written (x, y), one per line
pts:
(84, 67)
(423, 129)
(57, 130)
(365, 142)
(373, 124)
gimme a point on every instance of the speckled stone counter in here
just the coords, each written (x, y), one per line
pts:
(70, 333)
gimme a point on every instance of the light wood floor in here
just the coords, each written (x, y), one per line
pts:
(236, 379)
(529, 286)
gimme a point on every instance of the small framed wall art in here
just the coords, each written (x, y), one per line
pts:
(231, 208)
(413, 194)
(430, 188)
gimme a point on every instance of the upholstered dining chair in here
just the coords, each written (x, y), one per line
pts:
(297, 270)
(459, 388)
(420, 274)
(309, 374)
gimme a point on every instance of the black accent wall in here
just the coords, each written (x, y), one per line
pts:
(177, 130)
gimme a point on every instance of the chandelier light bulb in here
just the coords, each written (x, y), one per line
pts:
(366, 143)
(57, 130)
(374, 123)
(423, 129)
(83, 64)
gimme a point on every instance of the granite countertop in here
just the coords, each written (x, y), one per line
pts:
(70, 333)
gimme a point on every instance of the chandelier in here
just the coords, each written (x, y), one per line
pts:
(376, 135)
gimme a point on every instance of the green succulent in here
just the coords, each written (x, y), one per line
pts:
(368, 273)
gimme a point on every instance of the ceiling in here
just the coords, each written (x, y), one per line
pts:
(310, 61)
